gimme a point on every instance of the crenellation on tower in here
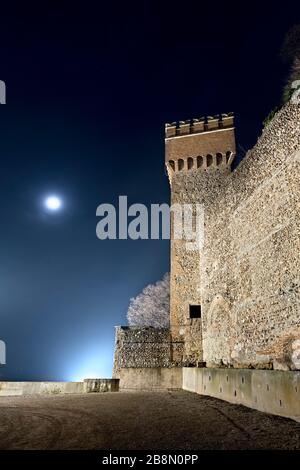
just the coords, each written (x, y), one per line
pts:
(199, 125)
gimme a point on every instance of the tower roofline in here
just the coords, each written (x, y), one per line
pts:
(204, 132)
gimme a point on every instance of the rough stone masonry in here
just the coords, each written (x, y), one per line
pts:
(141, 347)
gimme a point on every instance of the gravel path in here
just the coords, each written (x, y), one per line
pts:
(139, 421)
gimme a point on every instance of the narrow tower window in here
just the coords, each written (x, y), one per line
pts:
(180, 164)
(199, 161)
(195, 311)
(219, 159)
(209, 160)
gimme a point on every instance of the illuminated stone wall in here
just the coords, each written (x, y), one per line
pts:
(247, 275)
(141, 348)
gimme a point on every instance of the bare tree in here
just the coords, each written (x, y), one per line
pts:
(291, 44)
(152, 306)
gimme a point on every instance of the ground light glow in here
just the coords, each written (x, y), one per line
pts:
(94, 362)
(53, 203)
(88, 375)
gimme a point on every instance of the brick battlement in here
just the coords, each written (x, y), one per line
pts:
(203, 144)
(200, 125)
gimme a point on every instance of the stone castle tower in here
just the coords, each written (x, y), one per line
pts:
(235, 297)
(199, 154)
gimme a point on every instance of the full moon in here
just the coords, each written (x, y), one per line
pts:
(53, 203)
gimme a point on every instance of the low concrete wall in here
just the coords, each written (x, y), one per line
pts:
(101, 385)
(52, 388)
(150, 378)
(31, 388)
(271, 391)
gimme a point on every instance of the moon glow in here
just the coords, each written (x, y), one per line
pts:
(53, 203)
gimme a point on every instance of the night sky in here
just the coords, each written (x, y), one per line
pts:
(89, 89)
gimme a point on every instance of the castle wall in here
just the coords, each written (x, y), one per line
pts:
(247, 275)
(137, 347)
(252, 284)
(143, 359)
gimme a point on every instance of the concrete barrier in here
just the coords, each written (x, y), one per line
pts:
(272, 391)
(31, 388)
(101, 385)
(53, 388)
(151, 378)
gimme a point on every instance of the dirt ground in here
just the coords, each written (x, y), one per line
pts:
(174, 420)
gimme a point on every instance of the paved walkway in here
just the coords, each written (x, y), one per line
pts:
(139, 420)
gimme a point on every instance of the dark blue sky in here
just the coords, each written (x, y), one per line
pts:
(88, 91)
